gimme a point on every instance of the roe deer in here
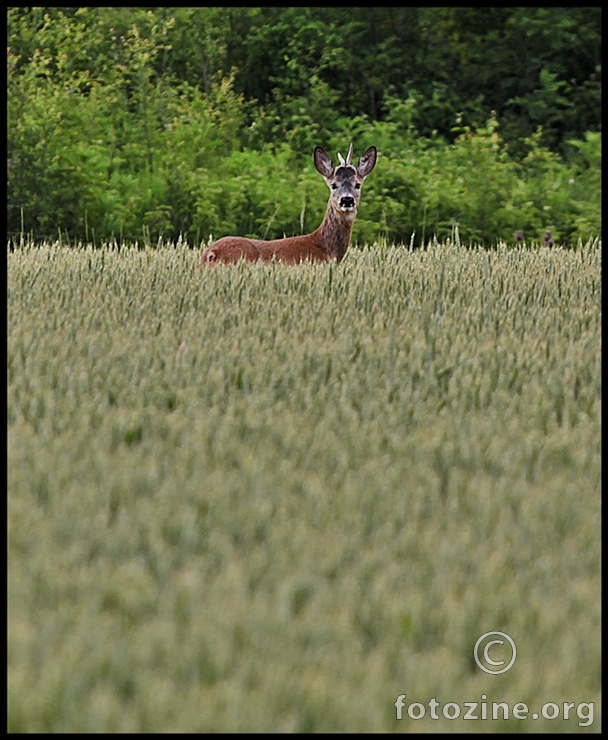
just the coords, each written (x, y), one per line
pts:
(329, 241)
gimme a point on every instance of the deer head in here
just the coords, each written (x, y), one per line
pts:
(345, 180)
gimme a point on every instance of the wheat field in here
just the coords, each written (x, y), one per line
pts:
(270, 498)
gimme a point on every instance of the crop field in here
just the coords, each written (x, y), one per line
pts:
(270, 498)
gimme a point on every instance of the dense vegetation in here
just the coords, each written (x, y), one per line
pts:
(134, 123)
(264, 498)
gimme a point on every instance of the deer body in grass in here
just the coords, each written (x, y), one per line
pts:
(330, 241)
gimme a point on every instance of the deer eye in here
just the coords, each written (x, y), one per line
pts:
(358, 186)
(334, 186)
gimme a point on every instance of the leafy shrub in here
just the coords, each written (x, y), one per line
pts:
(104, 141)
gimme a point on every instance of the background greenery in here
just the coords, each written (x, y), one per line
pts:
(138, 123)
(265, 498)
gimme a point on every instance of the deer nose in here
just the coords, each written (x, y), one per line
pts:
(347, 201)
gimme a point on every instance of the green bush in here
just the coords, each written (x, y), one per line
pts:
(104, 141)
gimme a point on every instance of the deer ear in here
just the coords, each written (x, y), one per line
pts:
(323, 162)
(367, 162)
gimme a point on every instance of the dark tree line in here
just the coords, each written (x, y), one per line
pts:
(169, 92)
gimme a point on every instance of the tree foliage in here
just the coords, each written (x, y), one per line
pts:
(136, 123)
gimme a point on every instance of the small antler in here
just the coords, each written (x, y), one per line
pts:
(350, 154)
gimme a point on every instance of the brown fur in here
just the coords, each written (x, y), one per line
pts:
(329, 241)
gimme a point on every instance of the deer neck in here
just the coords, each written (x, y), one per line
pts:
(335, 232)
